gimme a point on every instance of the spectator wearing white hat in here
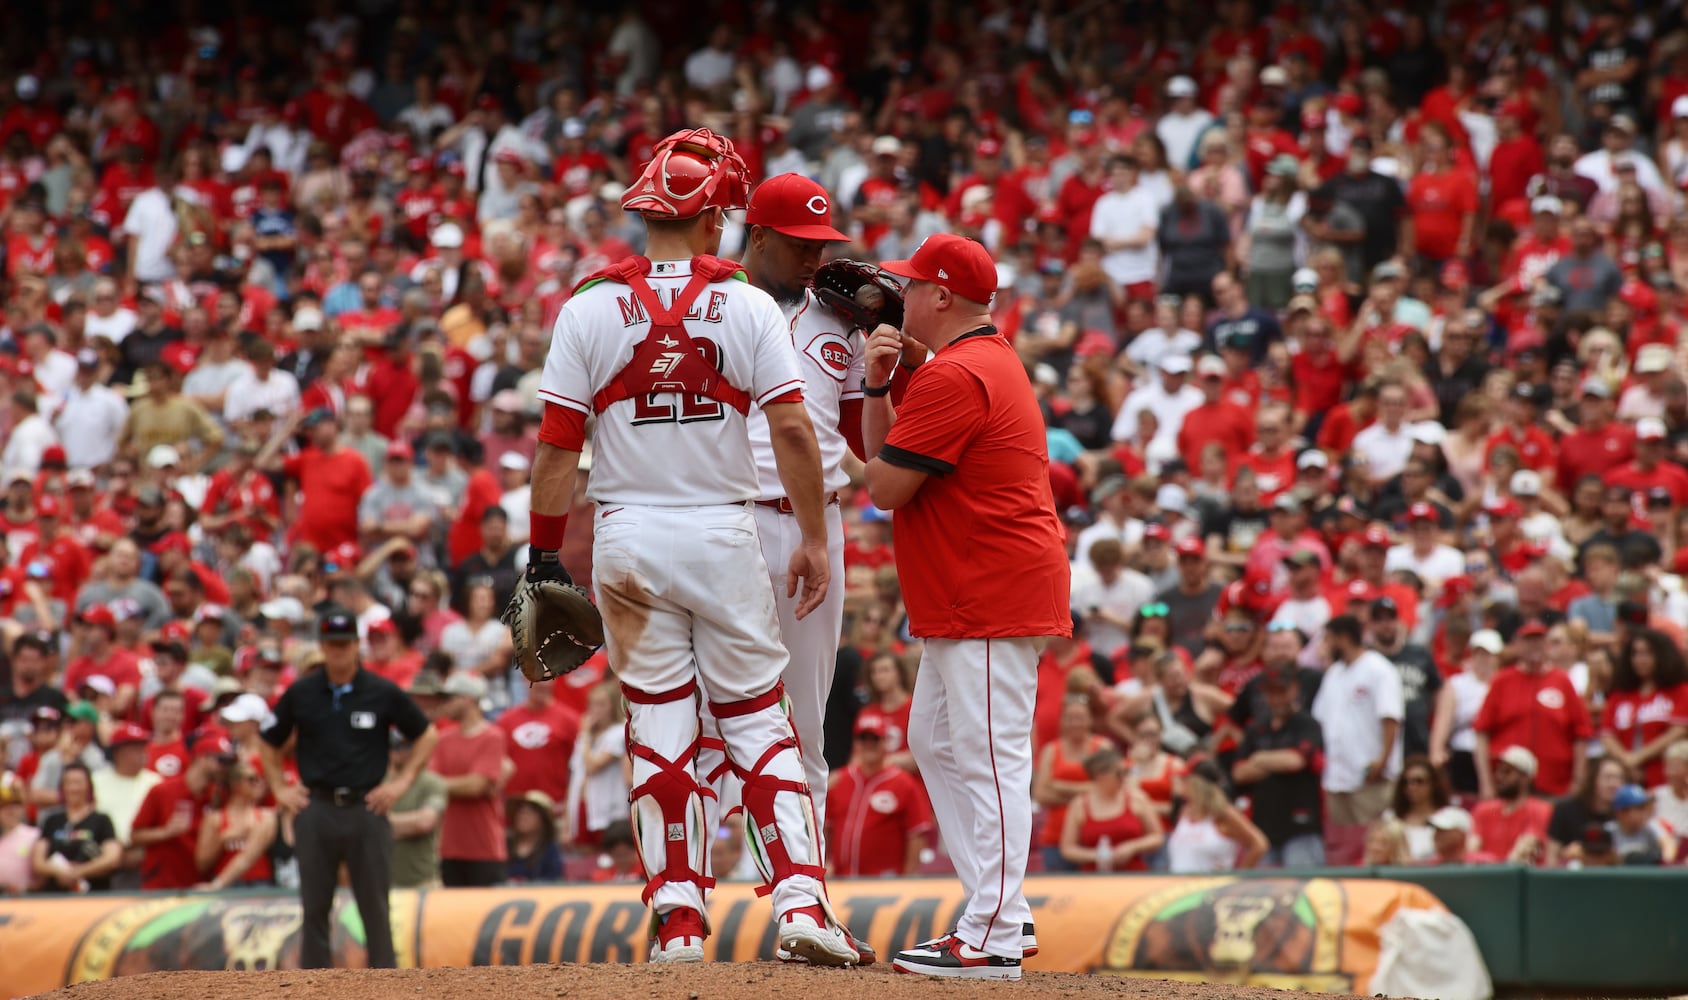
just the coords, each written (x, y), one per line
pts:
(1646, 397)
(1182, 123)
(1167, 397)
(1650, 469)
(1451, 828)
(1513, 824)
(472, 761)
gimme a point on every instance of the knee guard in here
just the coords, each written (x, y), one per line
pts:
(763, 752)
(668, 802)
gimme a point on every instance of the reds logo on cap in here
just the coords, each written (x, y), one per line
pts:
(818, 205)
(795, 206)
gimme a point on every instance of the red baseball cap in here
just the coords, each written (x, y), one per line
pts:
(1533, 627)
(53, 455)
(1360, 590)
(345, 555)
(1157, 532)
(173, 541)
(1375, 537)
(870, 725)
(1191, 546)
(174, 631)
(128, 732)
(1421, 511)
(97, 614)
(1503, 508)
(1311, 120)
(400, 448)
(47, 506)
(1348, 104)
(1454, 588)
(795, 206)
(957, 263)
(385, 626)
(988, 147)
(212, 745)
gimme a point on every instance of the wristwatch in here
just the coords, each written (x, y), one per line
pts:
(875, 390)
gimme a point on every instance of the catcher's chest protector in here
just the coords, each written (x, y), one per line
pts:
(667, 360)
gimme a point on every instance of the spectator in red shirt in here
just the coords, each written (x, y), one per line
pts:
(1513, 825)
(1536, 707)
(876, 812)
(1649, 470)
(539, 735)
(1517, 155)
(96, 628)
(167, 825)
(388, 655)
(1523, 433)
(470, 758)
(331, 478)
(1217, 420)
(65, 561)
(167, 753)
(483, 491)
(1647, 708)
(1598, 444)
(1442, 199)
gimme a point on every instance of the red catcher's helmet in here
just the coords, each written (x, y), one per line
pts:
(692, 170)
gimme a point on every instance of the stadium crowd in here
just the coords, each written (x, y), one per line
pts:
(1357, 328)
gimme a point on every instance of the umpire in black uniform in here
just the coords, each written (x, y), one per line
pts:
(342, 715)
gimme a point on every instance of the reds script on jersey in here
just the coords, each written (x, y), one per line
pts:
(833, 365)
(668, 449)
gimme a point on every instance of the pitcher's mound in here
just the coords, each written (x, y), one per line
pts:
(706, 981)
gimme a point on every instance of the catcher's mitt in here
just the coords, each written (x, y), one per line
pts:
(553, 627)
(861, 294)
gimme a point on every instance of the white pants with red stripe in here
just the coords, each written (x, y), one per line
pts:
(972, 737)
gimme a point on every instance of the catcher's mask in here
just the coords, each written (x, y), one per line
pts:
(692, 170)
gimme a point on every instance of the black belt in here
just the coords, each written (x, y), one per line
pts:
(339, 796)
(783, 504)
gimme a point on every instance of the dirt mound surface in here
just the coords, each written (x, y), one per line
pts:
(708, 981)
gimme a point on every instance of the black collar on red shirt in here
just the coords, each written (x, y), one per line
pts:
(984, 331)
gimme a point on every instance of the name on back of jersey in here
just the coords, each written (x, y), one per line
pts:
(702, 311)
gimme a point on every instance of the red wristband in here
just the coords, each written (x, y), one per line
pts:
(545, 531)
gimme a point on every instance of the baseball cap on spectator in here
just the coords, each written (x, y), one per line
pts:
(1210, 366)
(1679, 107)
(1422, 511)
(954, 262)
(163, 456)
(126, 733)
(1526, 483)
(248, 707)
(870, 725)
(1283, 165)
(307, 318)
(225, 687)
(47, 505)
(1518, 758)
(1375, 537)
(126, 609)
(82, 712)
(1301, 558)
(87, 358)
(1428, 432)
(1312, 120)
(1156, 531)
(446, 236)
(1305, 281)
(1180, 86)
(464, 684)
(99, 684)
(1621, 122)
(52, 457)
(1487, 640)
(1532, 629)
(1596, 386)
(338, 625)
(886, 145)
(1312, 458)
(383, 626)
(1650, 429)
(1503, 507)
(170, 644)
(1302, 304)
(1546, 295)
(1388, 270)
(1348, 103)
(1451, 819)
(1454, 588)
(13, 790)
(1652, 358)
(795, 206)
(1173, 499)
(1191, 546)
(97, 614)
(425, 684)
(1546, 204)
(213, 745)
(1385, 607)
(509, 400)
(1455, 275)
(320, 415)
(400, 449)
(513, 460)
(1274, 76)
(46, 715)
(1630, 797)
(284, 609)
(1175, 364)
(346, 555)
(1286, 503)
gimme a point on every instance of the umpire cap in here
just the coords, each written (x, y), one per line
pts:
(337, 624)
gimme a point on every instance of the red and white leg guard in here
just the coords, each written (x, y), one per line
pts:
(668, 802)
(780, 821)
(712, 773)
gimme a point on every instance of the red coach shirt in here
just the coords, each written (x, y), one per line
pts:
(979, 547)
(1636, 720)
(1541, 713)
(872, 819)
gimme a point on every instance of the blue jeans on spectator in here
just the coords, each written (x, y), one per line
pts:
(1304, 851)
(1053, 862)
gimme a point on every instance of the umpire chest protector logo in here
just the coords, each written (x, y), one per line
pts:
(363, 720)
(831, 352)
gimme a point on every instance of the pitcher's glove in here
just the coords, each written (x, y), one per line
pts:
(861, 294)
(554, 627)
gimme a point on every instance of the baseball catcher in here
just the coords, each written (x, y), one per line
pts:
(861, 294)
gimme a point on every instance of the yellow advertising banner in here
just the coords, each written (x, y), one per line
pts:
(1314, 934)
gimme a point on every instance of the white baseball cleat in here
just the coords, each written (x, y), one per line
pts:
(867, 955)
(679, 937)
(807, 933)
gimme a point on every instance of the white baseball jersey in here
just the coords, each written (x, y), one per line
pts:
(668, 449)
(833, 362)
